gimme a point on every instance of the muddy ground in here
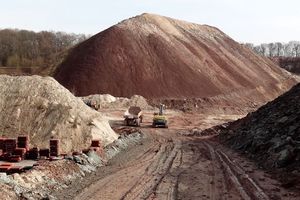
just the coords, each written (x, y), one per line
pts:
(167, 164)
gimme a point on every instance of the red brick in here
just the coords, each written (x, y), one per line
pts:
(2, 141)
(96, 143)
(20, 152)
(45, 152)
(33, 153)
(54, 142)
(22, 138)
(10, 145)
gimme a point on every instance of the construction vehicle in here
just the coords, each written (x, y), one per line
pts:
(133, 116)
(159, 119)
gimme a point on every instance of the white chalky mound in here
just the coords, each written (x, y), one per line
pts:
(41, 108)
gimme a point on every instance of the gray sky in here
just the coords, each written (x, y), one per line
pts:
(255, 21)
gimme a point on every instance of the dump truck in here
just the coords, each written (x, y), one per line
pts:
(133, 116)
(159, 119)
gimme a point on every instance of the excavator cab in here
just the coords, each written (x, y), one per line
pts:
(159, 119)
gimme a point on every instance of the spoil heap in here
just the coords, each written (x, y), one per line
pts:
(271, 135)
(160, 57)
(42, 109)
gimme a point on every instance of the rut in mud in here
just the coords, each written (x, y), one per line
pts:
(169, 166)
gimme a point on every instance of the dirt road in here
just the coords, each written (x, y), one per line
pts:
(167, 165)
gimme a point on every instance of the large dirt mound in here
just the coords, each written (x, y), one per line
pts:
(42, 108)
(291, 64)
(160, 57)
(271, 135)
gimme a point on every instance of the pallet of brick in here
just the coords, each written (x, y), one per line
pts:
(10, 145)
(23, 142)
(54, 147)
(33, 154)
(96, 143)
(20, 152)
(44, 153)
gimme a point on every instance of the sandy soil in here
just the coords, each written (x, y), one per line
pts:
(48, 110)
(167, 165)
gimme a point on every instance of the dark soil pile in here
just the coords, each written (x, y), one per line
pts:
(271, 135)
(291, 64)
(159, 57)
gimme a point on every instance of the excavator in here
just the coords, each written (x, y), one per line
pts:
(159, 119)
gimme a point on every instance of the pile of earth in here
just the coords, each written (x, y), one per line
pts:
(291, 64)
(271, 135)
(159, 57)
(41, 108)
(107, 101)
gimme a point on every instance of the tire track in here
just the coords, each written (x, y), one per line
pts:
(213, 187)
(168, 187)
(154, 174)
(257, 192)
(246, 186)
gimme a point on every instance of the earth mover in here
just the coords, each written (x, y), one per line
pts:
(133, 116)
(159, 119)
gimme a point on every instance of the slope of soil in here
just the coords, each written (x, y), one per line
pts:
(160, 57)
(42, 108)
(291, 64)
(271, 135)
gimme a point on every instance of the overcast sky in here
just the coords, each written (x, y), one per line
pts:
(255, 21)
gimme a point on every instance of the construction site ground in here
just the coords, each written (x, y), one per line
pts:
(168, 164)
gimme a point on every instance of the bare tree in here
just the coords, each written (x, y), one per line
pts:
(290, 49)
(29, 49)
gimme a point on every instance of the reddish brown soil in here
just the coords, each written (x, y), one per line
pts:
(166, 165)
(159, 57)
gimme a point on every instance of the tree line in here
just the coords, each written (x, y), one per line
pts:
(22, 48)
(277, 49)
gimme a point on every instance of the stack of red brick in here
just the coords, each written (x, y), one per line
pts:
(97, 146)
(14, 150)
(21, 149)
(1, 145)
(54, 147)
(33, 154)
